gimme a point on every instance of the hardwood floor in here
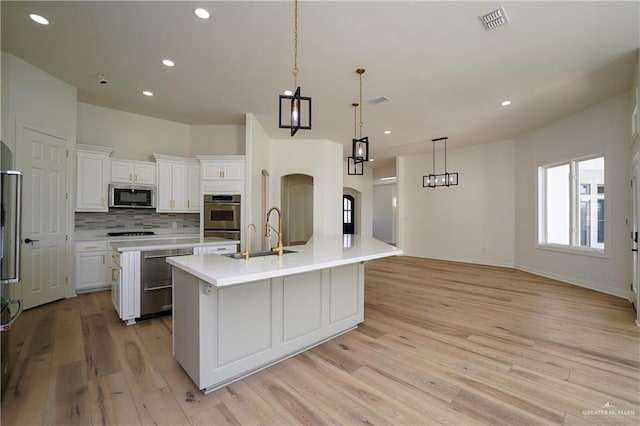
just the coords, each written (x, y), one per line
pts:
(442, 343)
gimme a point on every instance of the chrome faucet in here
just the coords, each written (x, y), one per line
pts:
(245, 253)
(278, 249)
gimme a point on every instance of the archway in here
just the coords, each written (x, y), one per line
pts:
(297, 208)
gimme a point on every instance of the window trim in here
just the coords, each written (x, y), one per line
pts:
(574, 194)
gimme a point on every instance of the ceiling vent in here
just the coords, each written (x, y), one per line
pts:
(494, 19)
(379, 100)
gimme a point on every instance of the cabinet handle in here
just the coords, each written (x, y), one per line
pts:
(188, 203)
(130, 176)
(102, 201)
(135, 178)
(103, 259)
(113, 276)
(90, 247)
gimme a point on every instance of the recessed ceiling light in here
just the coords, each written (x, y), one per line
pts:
(387, 132)
(168, 62)
(39, 19)
(202, 13)
(147, 93)
(506, 103)
(288, 93)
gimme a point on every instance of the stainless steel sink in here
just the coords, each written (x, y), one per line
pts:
(258, 254)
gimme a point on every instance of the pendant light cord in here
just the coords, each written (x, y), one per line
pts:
(355, 120)
(361, 121)
(295, 45)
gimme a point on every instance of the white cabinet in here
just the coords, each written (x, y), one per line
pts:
(178, 184)
(128, 171)
(223, 170)
(222, 173)
(216, 249)
(92, 178)
(125, 285)
(172, 182)
(93, 266)
(194, 197)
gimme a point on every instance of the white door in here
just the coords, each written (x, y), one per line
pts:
(44, 222)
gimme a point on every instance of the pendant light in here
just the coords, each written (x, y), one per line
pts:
(298, 115)
(355, 165)
(360, 147)
(433, 180)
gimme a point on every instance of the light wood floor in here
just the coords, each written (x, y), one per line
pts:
(442, 343)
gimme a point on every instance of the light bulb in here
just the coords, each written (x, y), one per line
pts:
(360, 150)
(294, 112)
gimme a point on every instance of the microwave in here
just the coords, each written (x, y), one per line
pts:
(132, 196)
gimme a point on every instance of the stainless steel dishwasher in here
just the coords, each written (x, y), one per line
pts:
(155, 280)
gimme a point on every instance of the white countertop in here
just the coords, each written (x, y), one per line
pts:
(322, 251)
(165, 243)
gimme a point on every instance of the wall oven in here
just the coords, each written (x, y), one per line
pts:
(132, 196)
(222, 216)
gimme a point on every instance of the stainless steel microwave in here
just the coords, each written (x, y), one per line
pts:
(132, 196)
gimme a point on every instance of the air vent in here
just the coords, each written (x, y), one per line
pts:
(379, 100)
(494, 19)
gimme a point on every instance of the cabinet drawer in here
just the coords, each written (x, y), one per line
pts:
(92, 246)
(217, 249)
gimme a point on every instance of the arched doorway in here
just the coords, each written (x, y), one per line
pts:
(297, 208)
(348, 214)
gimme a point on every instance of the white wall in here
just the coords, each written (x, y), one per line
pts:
(321, 159)
(472, 222)
(217, 139)
(35, 99)
(258, 149)
(133, 136)
(364, 185)
(384, 218)
(602, 128)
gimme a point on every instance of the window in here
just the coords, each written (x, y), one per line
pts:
(571, 214)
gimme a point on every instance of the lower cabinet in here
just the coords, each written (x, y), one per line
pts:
(221, 334)
(217, 249)
(93, 271)
(124, 278)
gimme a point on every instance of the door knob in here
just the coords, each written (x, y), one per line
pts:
(29, 240)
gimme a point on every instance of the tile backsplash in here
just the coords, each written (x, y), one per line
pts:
(136, 219)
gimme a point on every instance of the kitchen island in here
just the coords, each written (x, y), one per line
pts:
(130, 296)
(233, 317)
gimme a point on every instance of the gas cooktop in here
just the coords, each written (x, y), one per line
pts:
(130, 233)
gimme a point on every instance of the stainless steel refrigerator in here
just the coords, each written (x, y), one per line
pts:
(10, 216)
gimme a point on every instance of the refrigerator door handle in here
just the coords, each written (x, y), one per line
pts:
(7, 326)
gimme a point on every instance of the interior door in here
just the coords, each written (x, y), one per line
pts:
(44, 223)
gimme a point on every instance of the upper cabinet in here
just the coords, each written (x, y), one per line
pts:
(92, 178)
(178, 188)
(222, 169)
(222, 173)
(133, 172)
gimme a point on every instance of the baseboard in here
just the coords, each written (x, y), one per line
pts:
(483, 262)
(574, 281)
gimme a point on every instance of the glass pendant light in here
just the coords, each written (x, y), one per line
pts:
(360, 147)
(355, 165)
(433, 180)
(299, 111)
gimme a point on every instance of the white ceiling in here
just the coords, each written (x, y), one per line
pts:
(443, 73)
